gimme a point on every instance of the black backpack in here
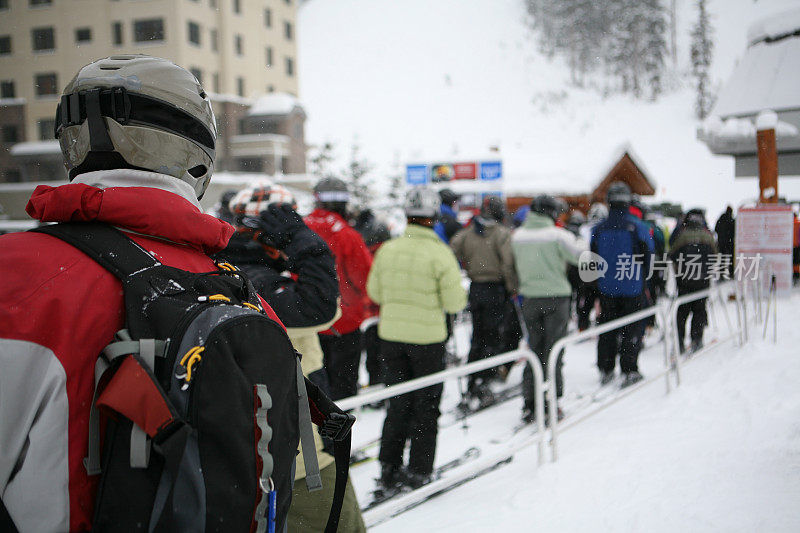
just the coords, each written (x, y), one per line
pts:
(207, 381)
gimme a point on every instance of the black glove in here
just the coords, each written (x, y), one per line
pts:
(279, 223)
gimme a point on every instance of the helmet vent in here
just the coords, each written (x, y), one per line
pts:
(109, 68)
(197, 171)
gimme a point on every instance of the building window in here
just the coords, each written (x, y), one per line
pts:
(148, 30)
(288, 2)
(197, 73)
(288, 30)
(3, 4)
(43, 39)
(13, 176)
(5, 45)
(215, 82)
(270, 88)
(213, 3)
(10, 134)
(268, 18)
(194, 33)
(238, 45)
(237, 6)
(46, 129)
(7, 89)
(240, 86)
(289, 66)
(46, 84)
(214, 41)
(250, 164)
(269, 56)
(34, 3)
(116, 33)
(83, 35)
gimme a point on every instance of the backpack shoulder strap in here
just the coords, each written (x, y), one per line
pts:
(111, 248)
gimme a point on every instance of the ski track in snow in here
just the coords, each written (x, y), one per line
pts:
(720, 453)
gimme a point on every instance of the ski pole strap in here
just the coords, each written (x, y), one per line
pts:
(313, 478)
(335, 424)
(6, 523)
(105, 244)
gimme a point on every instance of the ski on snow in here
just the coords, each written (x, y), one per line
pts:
(380, 496)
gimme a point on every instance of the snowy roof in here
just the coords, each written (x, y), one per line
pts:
(36, 148)
(774, 27)
(274, 104)
(768, 76)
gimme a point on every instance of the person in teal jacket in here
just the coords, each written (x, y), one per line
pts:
(416, 280)
(542, 252)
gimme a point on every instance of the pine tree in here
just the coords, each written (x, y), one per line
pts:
(321, 159)
(702, 50)
(356, 175)
(655, 46)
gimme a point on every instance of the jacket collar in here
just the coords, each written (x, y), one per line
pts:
(416, 231)
(133, 201)
(537, 221)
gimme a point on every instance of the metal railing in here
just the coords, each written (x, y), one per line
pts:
(380, 512)
(579, 336)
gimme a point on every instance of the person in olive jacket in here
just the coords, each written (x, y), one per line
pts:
(416, 280)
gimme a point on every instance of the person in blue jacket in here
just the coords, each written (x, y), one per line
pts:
(448, 224)
(626, 245)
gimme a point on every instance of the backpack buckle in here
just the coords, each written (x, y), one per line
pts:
(337, 426)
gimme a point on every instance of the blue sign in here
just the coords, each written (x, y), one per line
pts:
(491, 170)
(416, 174)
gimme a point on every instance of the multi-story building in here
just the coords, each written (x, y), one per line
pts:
(238, 49)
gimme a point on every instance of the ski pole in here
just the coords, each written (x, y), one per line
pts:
(461, 385)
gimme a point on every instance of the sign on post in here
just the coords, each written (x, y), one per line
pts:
(765, 233)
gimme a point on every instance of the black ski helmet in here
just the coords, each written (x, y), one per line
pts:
(546, 205)
(619, 195)
(494, 208)
(332, 194)
(448, 197)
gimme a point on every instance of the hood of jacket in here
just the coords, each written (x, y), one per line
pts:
(135, 201)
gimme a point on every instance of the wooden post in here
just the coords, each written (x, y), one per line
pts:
(767, 166)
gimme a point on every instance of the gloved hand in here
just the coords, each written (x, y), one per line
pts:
(279, 223)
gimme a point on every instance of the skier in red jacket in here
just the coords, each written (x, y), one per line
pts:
(342, 343)
(142, 173)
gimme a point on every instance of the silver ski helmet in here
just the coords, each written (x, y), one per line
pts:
(422, 202)
(137, 111)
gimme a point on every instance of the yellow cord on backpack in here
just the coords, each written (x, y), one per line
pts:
(190, 353)
(219, 298)
(227, 266)
(194, 359)
(251, 306)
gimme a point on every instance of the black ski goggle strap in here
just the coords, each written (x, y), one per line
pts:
(131, 108)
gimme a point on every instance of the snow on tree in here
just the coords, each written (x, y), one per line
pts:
(702, 50)
(320, 159)
(623, 39)
(356, 175)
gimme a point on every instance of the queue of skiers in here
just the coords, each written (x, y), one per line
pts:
(412, 283)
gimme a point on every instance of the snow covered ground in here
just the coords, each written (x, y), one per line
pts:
(720, 453)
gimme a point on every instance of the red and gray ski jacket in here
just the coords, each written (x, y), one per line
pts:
(353, 262)
(58, 310)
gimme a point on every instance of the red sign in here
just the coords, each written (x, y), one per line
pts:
(465, 171)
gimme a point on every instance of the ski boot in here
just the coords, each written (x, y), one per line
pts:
(631, 378)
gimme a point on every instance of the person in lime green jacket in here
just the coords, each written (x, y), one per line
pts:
(416, 280)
